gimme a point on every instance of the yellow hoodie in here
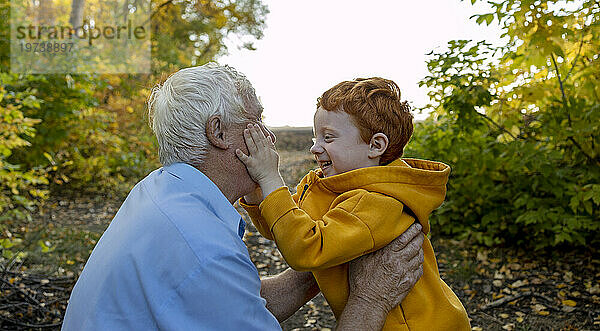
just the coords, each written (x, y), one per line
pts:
(333, 220)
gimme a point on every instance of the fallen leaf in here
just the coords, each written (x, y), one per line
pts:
(514, 266)
(543, 313)
(536, 281)
(482, 256)
(519, 283)
(503, 315)
(568, 276)
(520, 319)
(497, 283)
(569, 303)
(487, 288)
(509, 326)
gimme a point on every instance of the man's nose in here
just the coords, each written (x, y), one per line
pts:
(269, 133)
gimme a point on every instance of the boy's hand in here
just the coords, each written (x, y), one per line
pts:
(263, 160)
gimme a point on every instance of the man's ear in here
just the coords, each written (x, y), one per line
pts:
(378, 144)
(215, 132)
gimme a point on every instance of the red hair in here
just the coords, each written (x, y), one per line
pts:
(374, 106)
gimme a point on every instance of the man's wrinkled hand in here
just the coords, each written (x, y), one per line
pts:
(383, 278)
(255, 197)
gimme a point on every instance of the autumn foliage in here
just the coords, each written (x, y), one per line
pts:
(519, 124)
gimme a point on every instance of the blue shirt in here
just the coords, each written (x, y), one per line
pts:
(172, 259)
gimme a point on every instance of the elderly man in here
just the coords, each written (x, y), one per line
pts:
(173, 256)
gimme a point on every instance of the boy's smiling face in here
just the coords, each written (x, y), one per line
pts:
(337, 145)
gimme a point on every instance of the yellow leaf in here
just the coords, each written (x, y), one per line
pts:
(504, 315)
(520, 319)
(569, 303)
(543, 312)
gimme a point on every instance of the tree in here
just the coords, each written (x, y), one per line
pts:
(89, 130)
(193, 32)
(76, 18)
(519, 125)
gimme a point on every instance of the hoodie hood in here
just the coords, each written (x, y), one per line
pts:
(419, 184)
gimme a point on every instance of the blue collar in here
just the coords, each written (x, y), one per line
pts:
(205, 190)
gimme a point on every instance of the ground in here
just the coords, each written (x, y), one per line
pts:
(501, 288)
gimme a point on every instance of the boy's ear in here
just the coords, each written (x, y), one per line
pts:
(378, 144)
(215, 132)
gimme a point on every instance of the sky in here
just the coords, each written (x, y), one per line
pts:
(309, 46)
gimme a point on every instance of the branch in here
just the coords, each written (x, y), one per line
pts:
(504, 300)
(166, 3)
(576, 57)
(497, 125)
(562, 90)
(27, 325)
(564, 99)
(597, 160)
(25, 294)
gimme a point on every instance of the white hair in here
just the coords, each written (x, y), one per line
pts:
(179, 108)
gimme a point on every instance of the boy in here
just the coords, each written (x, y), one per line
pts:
(361, 197)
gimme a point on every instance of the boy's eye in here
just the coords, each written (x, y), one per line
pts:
(326, 138)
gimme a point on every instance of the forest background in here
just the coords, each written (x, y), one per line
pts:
(518, 123)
